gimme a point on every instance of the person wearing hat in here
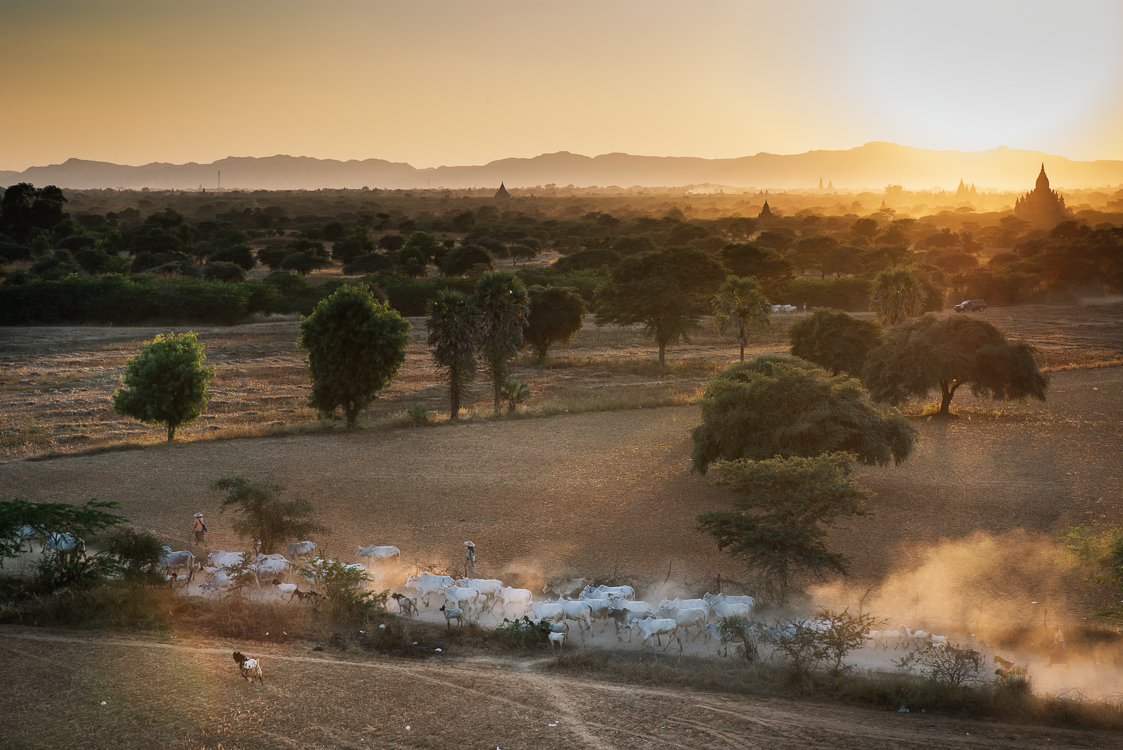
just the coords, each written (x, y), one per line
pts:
(470, 557)
(200, 529)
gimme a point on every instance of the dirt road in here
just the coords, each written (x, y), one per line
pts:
(96, 691)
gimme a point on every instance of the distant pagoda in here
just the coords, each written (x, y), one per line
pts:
(766, 212)
(1041, 207)
(502, 192)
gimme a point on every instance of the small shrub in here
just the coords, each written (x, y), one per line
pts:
(738, 629)
(951, 665)
(419, 414)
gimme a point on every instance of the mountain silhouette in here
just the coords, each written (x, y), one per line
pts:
(873, 166)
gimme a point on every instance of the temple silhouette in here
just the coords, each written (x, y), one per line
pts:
(502, 191)
(1041, 207)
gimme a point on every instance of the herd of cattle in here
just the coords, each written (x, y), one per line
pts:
(563, 601)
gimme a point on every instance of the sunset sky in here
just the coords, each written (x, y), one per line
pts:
(452, 82)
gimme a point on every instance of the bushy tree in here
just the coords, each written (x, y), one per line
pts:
(166, 383)
(222, 271)
(504, 306)
(556, 315)
(896, 295)
(775, 406)
(356, 346)
(666, 291)
(304, 262)
(740, 305)
(454, 328)
(137, 554)
(25, 210)
(78, 520)
(464, 258)
(264, 517)
(945, 353)
(762, 264)
(369, 263)
(585, 259)
(241, 255)
(834, 340)
(780, 517)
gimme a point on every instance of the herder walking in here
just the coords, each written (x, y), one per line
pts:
(200, 529)
(469, 558)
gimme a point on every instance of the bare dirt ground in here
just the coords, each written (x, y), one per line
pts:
(959, 544)
(122, 691)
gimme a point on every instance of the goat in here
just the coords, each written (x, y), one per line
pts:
(557, 639)
(250, 668)
(453, 614)
(315, 596)
(406, 606)
(286, 588)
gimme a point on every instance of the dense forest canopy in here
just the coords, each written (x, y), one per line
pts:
(283, 251)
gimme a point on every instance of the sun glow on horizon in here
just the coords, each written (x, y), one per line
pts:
(446, 83)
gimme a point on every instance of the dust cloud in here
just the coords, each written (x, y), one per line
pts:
(1001, 594)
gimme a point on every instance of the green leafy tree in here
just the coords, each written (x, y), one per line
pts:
(865, 228)
(775, 406)
(418, 252)
(342, 587)
(166, 383)
(740, 305)
(556, 315)
(667, 292)
(304, 262)
(834, 340)
(780, 518)
(26, 210)
(1098, 552)
(746, 260)
(356, 345)
(222, 271)
(896, 295)
(19, 516)
(504, 306)
(137, 553)
(945, 353)
(464, 258)
(454, 330)
(263, 517)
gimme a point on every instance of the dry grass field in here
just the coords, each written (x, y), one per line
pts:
(959, 542)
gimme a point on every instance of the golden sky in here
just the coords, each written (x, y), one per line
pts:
(455, 82)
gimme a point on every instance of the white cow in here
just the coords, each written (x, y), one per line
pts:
(518, 599)
(175, 561)
(685, 617)
(608, 592)
(427, 584)
(578, 611)
(379, 555)
(656, 628)
(272, 566)
(300, 549)
(61, 541)
(731, 609)
(713, 599)
(223, 559)
(553, 611)
(461, 598)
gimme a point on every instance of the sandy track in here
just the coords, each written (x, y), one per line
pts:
(163, 693)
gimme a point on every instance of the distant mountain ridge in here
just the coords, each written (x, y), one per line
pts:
(873, 165)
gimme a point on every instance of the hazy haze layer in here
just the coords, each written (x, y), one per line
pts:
(439, 82)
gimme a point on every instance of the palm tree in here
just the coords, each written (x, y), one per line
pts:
(454, 330)
(896, 295)
(739, 304)
(504, 306)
